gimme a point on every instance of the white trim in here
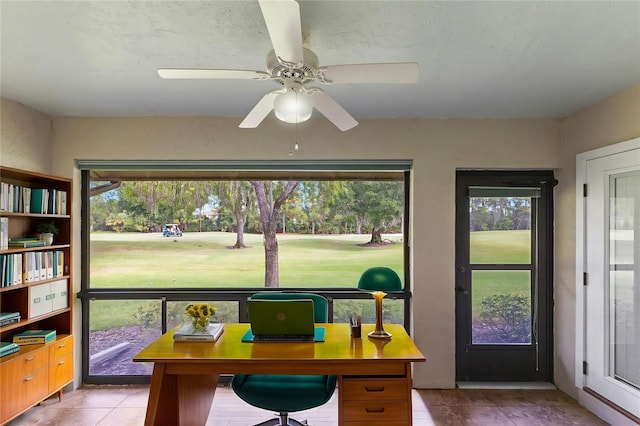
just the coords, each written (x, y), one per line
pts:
(581, 178)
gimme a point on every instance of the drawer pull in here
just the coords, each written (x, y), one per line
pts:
(31, 358)
(374, 410)
(62, 345)
(28, 378)
(374, 388)
(61, 362)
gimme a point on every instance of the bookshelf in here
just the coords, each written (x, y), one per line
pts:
(37, 284)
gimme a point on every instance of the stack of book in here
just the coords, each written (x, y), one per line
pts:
(25, 242)
(7, 318)
(8, 348)
(189, 334)
(33, 337)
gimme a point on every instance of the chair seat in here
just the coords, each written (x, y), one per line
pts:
(286, 392)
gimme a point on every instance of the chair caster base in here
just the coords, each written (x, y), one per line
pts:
(277, 422)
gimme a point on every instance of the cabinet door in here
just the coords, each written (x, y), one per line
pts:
(26, 380)
(60, 372)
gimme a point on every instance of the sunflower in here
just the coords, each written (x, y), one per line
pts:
(199, 314)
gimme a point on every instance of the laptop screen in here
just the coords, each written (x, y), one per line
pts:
(281, 319)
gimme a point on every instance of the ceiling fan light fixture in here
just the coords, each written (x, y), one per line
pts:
(293, 107)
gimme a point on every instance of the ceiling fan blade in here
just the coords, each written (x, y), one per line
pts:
(283, 22)
(214, 74)
(333, 111)
(259, 112)
(400, 72)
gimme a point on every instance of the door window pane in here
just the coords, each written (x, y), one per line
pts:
(624, 285)
(500, 230)
(501, 307)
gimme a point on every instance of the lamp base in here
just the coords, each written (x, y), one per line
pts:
(379, 334)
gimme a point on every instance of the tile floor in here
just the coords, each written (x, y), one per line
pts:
(125, 405)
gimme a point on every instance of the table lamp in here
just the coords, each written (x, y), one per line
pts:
(379, 280)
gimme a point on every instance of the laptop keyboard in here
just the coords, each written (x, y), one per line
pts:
(281, 337)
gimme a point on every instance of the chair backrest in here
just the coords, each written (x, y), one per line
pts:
(320, 303)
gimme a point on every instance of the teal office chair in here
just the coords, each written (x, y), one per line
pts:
(287, 393)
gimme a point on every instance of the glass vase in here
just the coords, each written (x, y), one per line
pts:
(200, 324)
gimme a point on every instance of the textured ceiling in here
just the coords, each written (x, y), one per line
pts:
(477, 59)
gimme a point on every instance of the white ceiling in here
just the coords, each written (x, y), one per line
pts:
(476, 59)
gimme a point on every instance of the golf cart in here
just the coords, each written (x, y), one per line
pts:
(171, 230)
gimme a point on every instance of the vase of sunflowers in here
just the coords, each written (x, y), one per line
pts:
(200, 314)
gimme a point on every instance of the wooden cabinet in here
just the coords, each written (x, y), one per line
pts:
(41, 297)
(374, 401)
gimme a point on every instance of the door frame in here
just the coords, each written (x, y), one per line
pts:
(581, 367)
(543, 266)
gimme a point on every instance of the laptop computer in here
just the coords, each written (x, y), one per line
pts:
(281, 320)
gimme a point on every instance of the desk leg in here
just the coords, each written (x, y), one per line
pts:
(179, 399)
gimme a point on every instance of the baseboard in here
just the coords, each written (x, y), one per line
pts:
(506, 385)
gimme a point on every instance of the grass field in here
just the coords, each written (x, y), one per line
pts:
(203, 260)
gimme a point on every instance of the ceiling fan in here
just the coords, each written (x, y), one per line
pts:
(293, 66)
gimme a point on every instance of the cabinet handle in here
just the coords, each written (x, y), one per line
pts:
(62, 345)
(28, 378)
(375, 410)
(31, 358)
(61, 362)
(374, 388)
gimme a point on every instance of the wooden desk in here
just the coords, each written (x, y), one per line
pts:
(374, 377)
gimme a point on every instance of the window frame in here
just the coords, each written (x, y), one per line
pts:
(194, 170)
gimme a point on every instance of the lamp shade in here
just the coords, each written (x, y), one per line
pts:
(293, 107)
(380, 278)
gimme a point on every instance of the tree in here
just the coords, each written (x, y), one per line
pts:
(238, 197)
(269, 209)
(378, 203)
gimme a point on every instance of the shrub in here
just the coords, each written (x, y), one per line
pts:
(507, 318)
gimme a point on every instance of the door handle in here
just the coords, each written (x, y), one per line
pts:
(462, 290)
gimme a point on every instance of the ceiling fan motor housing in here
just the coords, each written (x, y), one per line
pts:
(294, 73)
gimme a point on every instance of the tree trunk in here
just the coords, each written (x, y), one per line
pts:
(269, 210)
(376, 236)
(284, 223)
(271, 273)
(239, 232)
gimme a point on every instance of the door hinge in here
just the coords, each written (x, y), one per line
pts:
(584, 367)
(585, 278)
(584, 189)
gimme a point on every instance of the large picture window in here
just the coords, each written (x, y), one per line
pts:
(160, 239)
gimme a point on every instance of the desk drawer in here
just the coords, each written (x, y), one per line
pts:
(374, 389)
(384, 423)
(375, 411)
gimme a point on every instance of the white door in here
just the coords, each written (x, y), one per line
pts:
(612, 265)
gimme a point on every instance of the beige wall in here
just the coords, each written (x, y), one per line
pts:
(617, 119)
(24, 137)
(437, 148)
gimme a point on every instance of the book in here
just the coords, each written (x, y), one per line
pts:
(37, 196)
(8, 348)
(4, 233)
(8, 321)
(7, 315)
(26, 243)
(29, 337)
(188, 334)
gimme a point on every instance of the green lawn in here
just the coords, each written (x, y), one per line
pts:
(203, 260)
